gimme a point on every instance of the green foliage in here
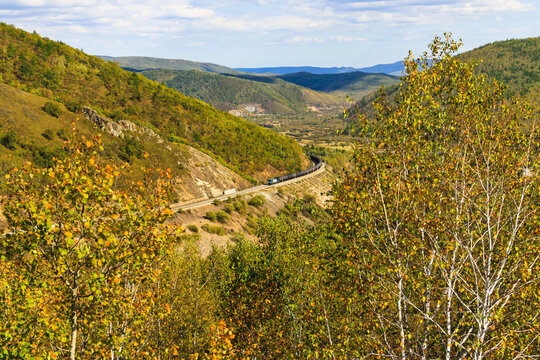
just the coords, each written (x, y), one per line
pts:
(240, 206)
(9, 140)
(193, 228)
(228, 208)
(228, 91)
(45, 157)
(222, 216)
(52, 109)
(48, 134)
(257, 201)
(189, 301)
(512, 62)
(515, 63)
(251, 223)
(353, 83)
(130, 149)
(145, 63)
(210, 215)
(213, 229)
(62, 134)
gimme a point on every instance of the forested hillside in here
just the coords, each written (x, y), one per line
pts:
(226, 92)
(516, 63)
(57, 71)
(353, 83)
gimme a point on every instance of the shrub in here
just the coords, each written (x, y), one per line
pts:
(216, 202)
(52, 109)
(9, 140)
(210, 215)
(240, 206)
(48, 134)
(222, 216)
(213, 229)
(74, 105)
(193, 228)
(228, 208)
(257, 201)
(251, 224)
(43, 157)
(131, 148)
(62, 134)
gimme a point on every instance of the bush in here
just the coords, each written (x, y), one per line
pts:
(257, 201)
(218, 230)
(189, 237)
(216, 202)
(131, 148)
(48, 134)
(62, 134)
(52, 109)
(222, 216)
(43, 157)
(9, 140)
(251, 224)
(240, 206)
(228, 208)
(74, 105)
(210, 215)
(193, 228)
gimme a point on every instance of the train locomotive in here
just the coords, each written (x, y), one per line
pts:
(317, 165)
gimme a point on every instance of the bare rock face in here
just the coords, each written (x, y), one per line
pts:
(118, 129)
(103, 123)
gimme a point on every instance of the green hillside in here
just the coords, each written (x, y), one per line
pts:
(227, 92)
(67, 75)
(29, 133)
(515, 62)
(354, 84)
(145, 63)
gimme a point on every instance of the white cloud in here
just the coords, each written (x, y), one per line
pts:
(192, 23)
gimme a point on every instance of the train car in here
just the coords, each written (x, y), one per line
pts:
(317, 165)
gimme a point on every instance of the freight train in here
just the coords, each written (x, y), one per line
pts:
(317, 165)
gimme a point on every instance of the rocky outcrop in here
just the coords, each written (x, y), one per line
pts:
(117, 129)
(103, 123)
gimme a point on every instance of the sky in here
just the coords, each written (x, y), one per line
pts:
(257, 33)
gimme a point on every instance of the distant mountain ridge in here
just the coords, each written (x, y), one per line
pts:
(392, 69)
(139, 63)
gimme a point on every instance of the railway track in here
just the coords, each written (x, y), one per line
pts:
(251, 190)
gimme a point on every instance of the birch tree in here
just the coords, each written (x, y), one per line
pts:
(79, 259)
(441, 214)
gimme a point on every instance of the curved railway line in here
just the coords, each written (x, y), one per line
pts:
(317, 168)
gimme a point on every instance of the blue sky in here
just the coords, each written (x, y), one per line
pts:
(252, 33)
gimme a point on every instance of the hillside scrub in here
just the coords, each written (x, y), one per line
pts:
(52, 109)
(55, 70)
